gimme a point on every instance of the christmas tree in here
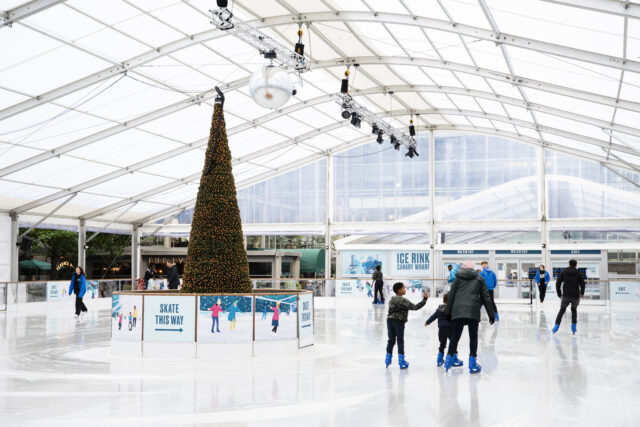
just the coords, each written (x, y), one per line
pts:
(216, 257)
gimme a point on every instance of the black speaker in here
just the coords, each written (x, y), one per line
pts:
(25, 244)
(344, 87)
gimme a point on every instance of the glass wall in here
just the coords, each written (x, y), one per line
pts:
(377, 183)
(495, 177)
(584, 189)
(297, 196)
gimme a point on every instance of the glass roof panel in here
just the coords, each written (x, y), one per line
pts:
(466, 12)
(553, 23)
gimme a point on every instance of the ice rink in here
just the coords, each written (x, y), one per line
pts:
(56, 371)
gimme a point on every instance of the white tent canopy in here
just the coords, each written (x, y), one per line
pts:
(105, 106)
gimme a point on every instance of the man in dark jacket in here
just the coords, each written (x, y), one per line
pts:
(173, 280)
(570, 288)
(468, 293)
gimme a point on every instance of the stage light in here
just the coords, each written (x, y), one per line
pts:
(345, 114)
(379, 139)
(411, 153)
(393, 140)
(374, 128)
(355, 120)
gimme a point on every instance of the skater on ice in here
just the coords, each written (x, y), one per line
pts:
(399, 308)
(570, 288)
(468, 293)
(542, 279)
(444, 328)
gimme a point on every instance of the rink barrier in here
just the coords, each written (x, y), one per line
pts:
(171, 324)
(602, 292)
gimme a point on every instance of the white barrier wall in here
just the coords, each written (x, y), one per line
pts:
(211, 326)
(5, 247)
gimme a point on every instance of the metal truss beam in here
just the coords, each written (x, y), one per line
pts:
(12, 16)
(482, 72)
(114, 130)
(386, 18)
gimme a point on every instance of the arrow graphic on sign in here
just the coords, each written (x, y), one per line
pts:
(174, 330)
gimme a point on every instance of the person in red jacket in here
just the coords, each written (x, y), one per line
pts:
(275, 320)
(216, 309)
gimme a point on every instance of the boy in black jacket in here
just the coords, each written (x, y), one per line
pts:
(444, 327)
(572, 290)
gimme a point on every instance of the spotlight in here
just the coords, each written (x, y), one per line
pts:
(222, 3)
(345, 114)
(393, 140)
(412, 129)
(397, 145)
(379, 139)
(411, 153)
(374, 128)
(355, 120)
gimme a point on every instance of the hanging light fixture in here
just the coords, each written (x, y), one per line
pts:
(379, 139)
(270, 87)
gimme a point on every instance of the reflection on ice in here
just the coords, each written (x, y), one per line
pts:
(57, 370)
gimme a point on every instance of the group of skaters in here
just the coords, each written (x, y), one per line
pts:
(470, 290)
(132, 318)
(216, 309)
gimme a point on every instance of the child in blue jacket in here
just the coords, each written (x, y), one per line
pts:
(78, 286)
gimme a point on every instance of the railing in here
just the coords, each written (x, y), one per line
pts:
(598, 292)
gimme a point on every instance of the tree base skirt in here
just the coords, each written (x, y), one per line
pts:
(175, 325)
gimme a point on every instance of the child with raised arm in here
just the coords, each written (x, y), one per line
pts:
(444, 327)
(398, 313)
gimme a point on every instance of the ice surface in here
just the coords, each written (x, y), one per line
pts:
(54, 370)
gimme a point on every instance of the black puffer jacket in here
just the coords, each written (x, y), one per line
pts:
(572, 283)
(468, 293)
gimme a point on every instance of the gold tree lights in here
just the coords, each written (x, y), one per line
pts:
(216, 257)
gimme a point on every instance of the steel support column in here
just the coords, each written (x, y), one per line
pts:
(432, 214)
(82, 242)
(15, 252)
(135, 254)
(329, 218)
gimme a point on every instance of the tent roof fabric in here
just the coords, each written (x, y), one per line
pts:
(105, 106)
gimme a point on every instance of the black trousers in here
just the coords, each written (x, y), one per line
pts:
(458, 326)
(80, 306)
(563, 307)
(493, 301)
(378, 288)
(444, 334)
(543, 291)
(395, 329)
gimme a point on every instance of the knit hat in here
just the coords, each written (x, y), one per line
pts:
(469, 264)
